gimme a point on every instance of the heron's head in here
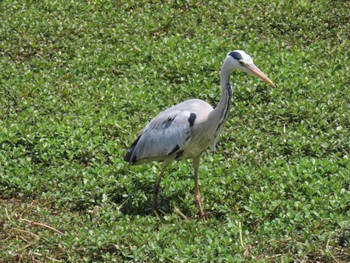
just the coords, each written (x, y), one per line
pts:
(241, 60)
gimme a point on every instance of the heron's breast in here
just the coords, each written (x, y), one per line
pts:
(197, 144)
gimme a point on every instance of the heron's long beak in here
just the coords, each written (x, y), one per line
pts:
(258, 73)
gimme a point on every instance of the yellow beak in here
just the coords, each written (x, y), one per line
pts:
(258, 73)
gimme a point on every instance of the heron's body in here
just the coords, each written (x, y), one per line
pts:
(187, 129)
(176, 133)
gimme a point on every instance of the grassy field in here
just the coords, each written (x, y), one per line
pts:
(80, 79)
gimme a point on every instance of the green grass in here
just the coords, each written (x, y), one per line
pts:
(80, 79)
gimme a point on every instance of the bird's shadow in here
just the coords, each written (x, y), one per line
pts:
(166, 204)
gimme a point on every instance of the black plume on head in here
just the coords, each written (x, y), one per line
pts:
(236, 55)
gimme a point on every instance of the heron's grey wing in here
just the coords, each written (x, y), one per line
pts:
(169, 133)
(165, 135)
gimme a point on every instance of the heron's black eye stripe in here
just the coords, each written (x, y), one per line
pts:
(236, 55)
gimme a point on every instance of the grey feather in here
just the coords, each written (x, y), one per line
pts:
(173, 128)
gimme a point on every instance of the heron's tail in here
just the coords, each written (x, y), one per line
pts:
(130, 156)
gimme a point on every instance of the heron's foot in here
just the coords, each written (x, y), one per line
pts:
(198, 199)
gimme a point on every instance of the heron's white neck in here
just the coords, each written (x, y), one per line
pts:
(226, 91)
(219, 114)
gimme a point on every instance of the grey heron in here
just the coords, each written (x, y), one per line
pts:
(186, 130)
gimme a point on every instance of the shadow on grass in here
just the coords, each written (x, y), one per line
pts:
(166, 204)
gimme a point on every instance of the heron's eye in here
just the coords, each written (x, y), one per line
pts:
(242, 63)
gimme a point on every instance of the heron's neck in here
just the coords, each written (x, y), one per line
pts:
(220, 113)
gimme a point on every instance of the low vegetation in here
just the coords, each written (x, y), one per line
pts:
(80, 79)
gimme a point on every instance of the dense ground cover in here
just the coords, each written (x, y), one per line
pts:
(80, 79)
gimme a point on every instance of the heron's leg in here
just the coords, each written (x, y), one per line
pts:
(156, 185)
(197, 195)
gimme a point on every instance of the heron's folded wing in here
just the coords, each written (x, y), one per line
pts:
(164, 135)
